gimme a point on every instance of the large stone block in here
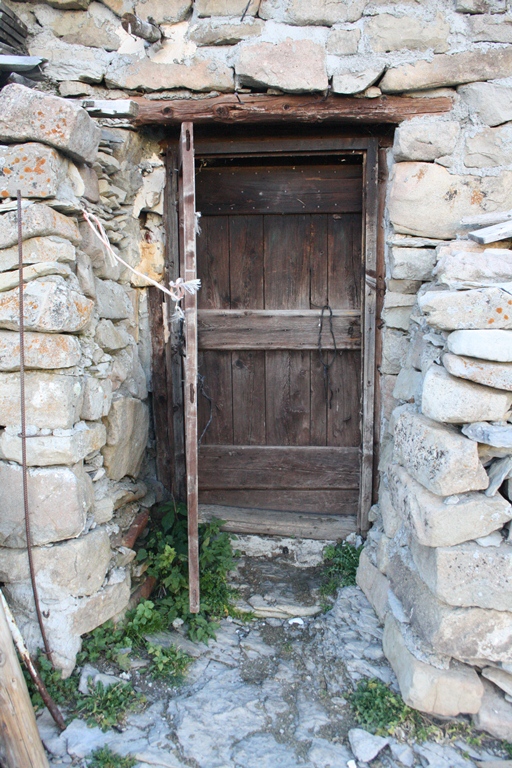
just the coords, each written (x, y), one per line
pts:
(491, 29)
(441, 459)
(59, 498)
(93, 611)
(35, 169)
(465, 634)
(481, 6)
(498, 375)
(281, 65)
(448, 69)
(343, 42)
(395, 33)
(227, 33)
(468, 574)
(475, 309)
(48, 450)
(495, 714)
(412, 263)
(492, 102)
(10, 280)
(39, 220)
(425, 140)
(76, 567)
(111, 337)
(397, 309)
(324, 12)
(356, 79)
(42, 350)
(98, 28)
(394, 351)
(97, 398)
(29, 115)
(470, 269)
(103, 264)
(438, 522)
(51, 304)
(37, 250)
(445, 692)
(374, 585)
(167, 12)
(70, 62)
(112, 300)
(455, 401)
(485, 344)
(490, 147)
(53, 401)
(426, 200)
(199, 74)
(127, 435)
(225, 8)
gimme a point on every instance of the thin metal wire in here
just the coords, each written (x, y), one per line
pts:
(324, 361)
(24, 472)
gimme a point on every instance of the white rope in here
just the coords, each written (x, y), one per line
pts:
(177, 289)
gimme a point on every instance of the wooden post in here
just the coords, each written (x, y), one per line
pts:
(18, 729)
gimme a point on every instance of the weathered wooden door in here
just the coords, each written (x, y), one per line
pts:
(280, 256)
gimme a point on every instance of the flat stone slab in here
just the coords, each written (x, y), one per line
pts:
(51, 304)
(476, 309)
(42, 350)
(467, 269)
(491, 345)
(490, 374)
(39, 220)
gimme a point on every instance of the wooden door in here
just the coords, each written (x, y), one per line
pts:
(279, 402)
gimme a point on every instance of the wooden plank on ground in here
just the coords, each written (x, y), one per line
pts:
(326, 501)
(298, 525)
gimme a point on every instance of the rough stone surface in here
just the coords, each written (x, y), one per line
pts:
(436, 523)
(51, 304)
(469, 269)
(485, 344)
(111, 337)
(201, 74)
(98, 28)
(9, 280)
(475, 309)
(348, 82)
(490, 147)
(412, 263)
(324, 12)
(53, 401)
(230, 33)
(481, 6)
(468, 574)
(97, 398)
(495, 715)
(444, 199)
(394, 351)
(70, 62)
(425, 140)
(441, 459)
(127, 434)
(500, 678)
(39, 220)
(497, 435)
(112, 301)
(281, 65)
(29, 115)
(448, 399)
(491, 101)
(163, 13)
(225, 7)
(364, 745)
(374, 585)
(343, 42)
(446, 692)
(42, 350)
(59, 501)
(454, 69)
(393, 33)
(37, 250)
(498, 375)
(95, 610)
(36, 170)
(44, 451)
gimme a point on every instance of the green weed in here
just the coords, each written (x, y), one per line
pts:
(507, 746)
(170, 663)
(108, 706)
(341, 560)
(105, 758)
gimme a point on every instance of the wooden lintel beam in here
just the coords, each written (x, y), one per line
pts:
(233, 108)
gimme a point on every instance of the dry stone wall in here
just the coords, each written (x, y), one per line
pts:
(437, 564)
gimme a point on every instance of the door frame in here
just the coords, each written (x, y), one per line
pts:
(169, 436)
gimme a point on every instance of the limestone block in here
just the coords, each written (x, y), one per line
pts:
(29, 115)
(462, 633)
(224, 33)
(51, 304)
(392, 517)
(38, 250)
(455, 401)
(468, 269)
(446, 69)
(495, 714)
(9, 280)
(396, 312)
(97, 398)
(47, 450)
(481, 6)
(91, 612)
(497, 375)
(500, 678)
(491, 29)
(60, 498)
(485, 344)
(53, 401)
(103, 509)
(35, 169)
(111, 337)
(120, 7)
(104, 266)
(347, 81)
(409, 385)
(90, 181)
(76, 567)
(374, 585)
(343, 42)
(394, 351)
(85, 275)
(127, 435)
(490, 147)
(492, 102)
(152, 261)
(412, 263)
(225, 8)
(437, 456)
(281, 65)
(42, 350)
(324, 12)
(467, 310)
(199, 74)
(163, 11)
(393, 33)
(425, 199)
(127, 374)
(468, 574)
(425, 140)
(98, 28)
(112, 300)
(445, 692)
(497, 435)
(39, 220)
(438, 522)
(70, 62)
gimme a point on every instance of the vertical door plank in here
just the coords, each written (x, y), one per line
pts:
(213, 263)
(288, 397)
(318, 412)
(215, 369)
(248, 376)
(345, 232)
(318, 250)
(246, 247)
(287, 282)
(344, 415)
(188, 225)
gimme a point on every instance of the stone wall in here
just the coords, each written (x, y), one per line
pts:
(436, 562)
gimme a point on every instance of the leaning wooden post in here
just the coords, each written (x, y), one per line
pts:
(18, 729)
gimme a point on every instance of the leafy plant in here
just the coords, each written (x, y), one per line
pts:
(108, 706)
(63, 692)
(377, 708)
(105, 758)
(342, 560)
(507, 746)
(170, 663)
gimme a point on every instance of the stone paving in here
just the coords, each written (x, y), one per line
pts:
(270, 693)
